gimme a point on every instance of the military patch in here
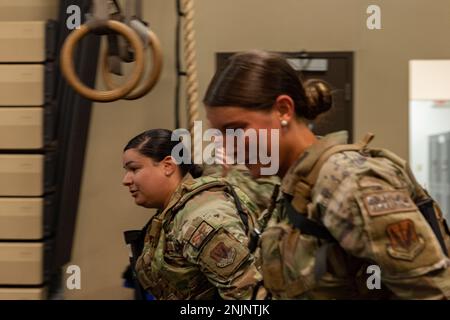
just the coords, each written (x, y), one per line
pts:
(405, 243)
(171, 246)
(223, 255)
(200, 234)
(190, 229)
(383, 202)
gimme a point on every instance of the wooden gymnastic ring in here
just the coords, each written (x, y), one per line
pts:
(152, 79)
(68, 67)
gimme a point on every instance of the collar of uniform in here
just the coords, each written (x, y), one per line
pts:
(179, 191)
(308, 158)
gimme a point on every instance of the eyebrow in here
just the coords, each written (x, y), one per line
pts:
(127, 164)
(233, 124)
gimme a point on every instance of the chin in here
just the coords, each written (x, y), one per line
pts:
(142, 203)
(139, 203)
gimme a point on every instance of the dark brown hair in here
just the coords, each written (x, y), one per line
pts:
(157, 144)
(255, 79)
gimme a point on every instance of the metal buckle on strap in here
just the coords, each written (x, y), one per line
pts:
(367, 139)
(364, 142)
(119, 50)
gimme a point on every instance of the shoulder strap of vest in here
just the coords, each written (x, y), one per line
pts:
(195, 190)
(302, 193)
(297, 208)
(311, 178)
(306, 225)
(238, 204)
(218, 185)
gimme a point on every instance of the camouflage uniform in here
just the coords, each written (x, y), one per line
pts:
(258, 190)
(366, 204)
(196, 248)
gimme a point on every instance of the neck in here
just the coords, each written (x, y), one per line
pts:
(172, 186)
(300, 138)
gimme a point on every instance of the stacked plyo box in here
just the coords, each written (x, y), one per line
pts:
(26, 154)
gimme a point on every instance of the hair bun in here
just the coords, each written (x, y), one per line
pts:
(320, 98)
(195, 170)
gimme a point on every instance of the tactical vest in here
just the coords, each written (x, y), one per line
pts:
(159, 279)
(296, 208)
(302, 195)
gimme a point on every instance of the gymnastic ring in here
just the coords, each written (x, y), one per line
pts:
(152, 78)
(68, 67)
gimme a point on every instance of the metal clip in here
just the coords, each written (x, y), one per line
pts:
(253, 241)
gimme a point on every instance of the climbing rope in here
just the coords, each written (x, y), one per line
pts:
(191, 75)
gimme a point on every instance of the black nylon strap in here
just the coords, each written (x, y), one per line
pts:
(305, 225)
(256, 288)
(239, 208)
(427, 209)
(320, 267)
(310, 227)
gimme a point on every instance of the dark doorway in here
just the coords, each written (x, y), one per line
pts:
(336, 68)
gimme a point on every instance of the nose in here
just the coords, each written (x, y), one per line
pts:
(127, 181)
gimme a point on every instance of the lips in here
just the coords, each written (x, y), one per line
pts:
(133, 193)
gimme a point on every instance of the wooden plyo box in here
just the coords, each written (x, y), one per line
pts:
(21, 218)
(21, 128)
(21, 175)
(22, 41)
(21, 263)
(22, 85)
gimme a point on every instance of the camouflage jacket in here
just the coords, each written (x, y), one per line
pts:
(259, 190)
(366, 205)
(196, 248)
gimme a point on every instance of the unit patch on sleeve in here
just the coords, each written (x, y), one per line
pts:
(223, 255)
(385, 202)
(200, 234)
(404, 242)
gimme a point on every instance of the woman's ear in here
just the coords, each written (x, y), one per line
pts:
(169, 166)
(285, 108)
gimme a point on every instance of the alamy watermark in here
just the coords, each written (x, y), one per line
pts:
(73, 281)
(373, 22)
(250, 146)
(374, 280)
(73, 21)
